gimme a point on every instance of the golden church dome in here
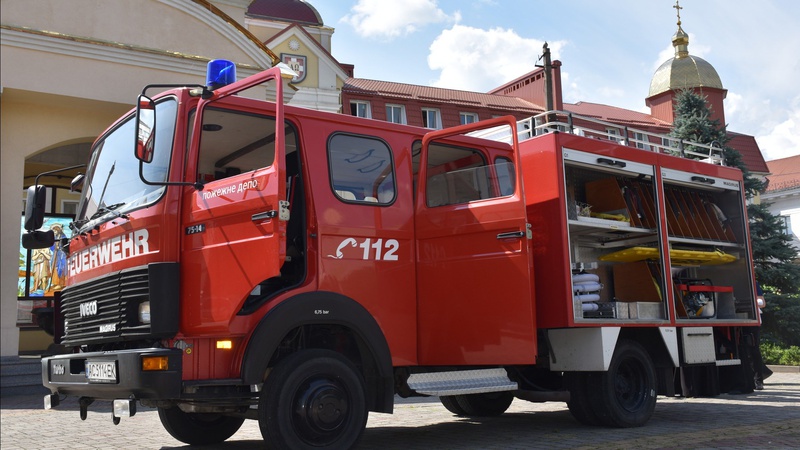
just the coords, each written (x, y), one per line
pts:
(683, 70)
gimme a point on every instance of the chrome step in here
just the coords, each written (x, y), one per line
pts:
(461, 382)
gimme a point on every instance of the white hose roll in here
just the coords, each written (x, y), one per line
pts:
(583, 277)
(590, 306)
(588, 298)
(587, 287)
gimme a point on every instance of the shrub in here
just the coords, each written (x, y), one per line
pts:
(772, 354)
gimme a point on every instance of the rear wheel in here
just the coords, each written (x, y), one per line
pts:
(579, 385)
(626, 394)
(451, 403)
(313, 399)
(486, 404)
(198, 428)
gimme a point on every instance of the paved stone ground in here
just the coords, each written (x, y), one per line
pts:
(764, 419)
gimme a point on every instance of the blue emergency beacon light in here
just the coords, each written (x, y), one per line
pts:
(219, 73)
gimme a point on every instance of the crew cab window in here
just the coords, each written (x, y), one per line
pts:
(461, 175)
(361, 169)
(234, 142)
(506, 176)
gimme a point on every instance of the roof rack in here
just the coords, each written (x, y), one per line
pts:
(591, 127)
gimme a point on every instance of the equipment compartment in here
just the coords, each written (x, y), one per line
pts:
(611, 206)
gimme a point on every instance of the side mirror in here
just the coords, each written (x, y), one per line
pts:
(34, 219)
(145, 128)
(76, 183)
(38, 239)
(34, 207)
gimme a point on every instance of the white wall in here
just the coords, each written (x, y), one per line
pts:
(69, 68)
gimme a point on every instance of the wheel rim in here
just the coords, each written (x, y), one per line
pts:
(630, 385)
(321, 410)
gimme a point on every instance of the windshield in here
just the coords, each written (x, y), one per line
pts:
(112, 185)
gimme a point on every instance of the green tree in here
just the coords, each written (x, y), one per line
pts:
(772, 252)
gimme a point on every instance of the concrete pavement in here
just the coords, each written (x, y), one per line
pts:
(764, 419)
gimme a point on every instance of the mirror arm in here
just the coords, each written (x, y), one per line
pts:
(50, 172)
(204, 93)
(198, 185)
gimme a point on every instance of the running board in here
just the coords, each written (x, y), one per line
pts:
(461, 382)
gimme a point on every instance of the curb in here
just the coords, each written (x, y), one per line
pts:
(784, 369)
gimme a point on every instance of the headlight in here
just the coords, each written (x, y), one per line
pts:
(144, 312)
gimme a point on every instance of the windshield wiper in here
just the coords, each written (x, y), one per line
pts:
(77, 225)
(103, 210)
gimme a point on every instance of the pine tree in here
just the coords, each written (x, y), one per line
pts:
(772, 252)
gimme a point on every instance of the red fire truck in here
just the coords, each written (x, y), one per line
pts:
(236, 258)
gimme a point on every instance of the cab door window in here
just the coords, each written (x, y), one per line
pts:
(234, 142)
(460, 175)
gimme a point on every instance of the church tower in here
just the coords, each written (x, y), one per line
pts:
(684, 71)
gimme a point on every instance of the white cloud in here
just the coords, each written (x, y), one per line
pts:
(776, 125)
(387, 20)
(783, 140)
(475, 59)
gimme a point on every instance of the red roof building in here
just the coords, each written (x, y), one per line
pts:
(522, 97)
(784, 174)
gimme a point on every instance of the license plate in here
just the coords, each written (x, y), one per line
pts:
(101, 371)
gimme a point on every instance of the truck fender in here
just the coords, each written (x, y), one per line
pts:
(320, 308)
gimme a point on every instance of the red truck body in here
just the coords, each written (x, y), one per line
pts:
(262, 261)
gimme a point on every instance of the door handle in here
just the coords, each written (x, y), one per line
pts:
(511, 235)
(264, 215)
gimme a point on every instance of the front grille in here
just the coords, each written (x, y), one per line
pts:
(115, 316)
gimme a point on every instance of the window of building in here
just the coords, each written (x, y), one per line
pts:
(362, 169)
(614, 135)
(466, 118)
(360, 108)
(641, 141)
(396, 114)
(69, 207)
(431, 118)
(786, 224)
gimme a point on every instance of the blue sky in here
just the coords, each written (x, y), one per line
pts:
(609, 50)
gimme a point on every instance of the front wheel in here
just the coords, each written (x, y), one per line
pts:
(198, 428)
(313, 399)
(625, 396)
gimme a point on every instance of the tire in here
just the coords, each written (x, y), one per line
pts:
(313, 399)
(485, 405)
(579, 385)
(198, 428)
(626, 395)
(451, 403)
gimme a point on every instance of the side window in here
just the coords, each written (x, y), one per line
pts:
(234, 142)
(506, 175)
(362, 169)
(457, 175)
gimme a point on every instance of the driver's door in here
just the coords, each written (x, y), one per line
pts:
(234, 228)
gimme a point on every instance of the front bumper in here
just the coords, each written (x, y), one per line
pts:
(66, 375)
